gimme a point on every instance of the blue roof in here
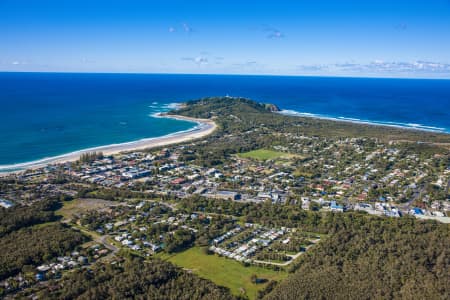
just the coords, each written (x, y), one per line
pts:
(334, 205)
(40, 276)
(417, 211)
(5, 203)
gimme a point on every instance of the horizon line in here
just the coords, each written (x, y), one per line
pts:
(228, 74)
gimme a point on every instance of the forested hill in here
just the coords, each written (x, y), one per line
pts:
(223, 106)
(241, 114)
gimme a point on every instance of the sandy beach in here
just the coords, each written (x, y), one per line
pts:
(204, 127)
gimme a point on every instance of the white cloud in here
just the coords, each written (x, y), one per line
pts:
(19, 62)
(249, 65)
(313, 68)
(183, 28)
(187, 28)
(273, 33)
(381, 67)
(199, 60)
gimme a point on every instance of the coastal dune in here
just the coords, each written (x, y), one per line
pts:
(204, 127)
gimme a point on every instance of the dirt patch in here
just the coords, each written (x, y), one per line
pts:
(80, 206)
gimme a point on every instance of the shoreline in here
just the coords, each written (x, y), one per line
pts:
(204, 127)
(399, 125)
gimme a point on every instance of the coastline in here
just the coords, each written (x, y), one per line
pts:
(204, 127)
(399, 125)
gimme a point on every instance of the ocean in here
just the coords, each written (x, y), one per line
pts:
(48, 114)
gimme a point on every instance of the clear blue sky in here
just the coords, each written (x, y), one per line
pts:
(392, 38)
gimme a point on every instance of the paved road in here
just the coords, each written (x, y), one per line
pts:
(103, 241)
(98, 239)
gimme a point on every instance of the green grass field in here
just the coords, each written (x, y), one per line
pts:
(225, 272)
(265, 154)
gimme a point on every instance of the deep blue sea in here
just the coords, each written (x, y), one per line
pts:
(48, 114)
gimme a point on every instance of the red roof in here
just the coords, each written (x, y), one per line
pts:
(178, 181)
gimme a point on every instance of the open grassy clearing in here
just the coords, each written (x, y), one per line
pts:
(79, 206)
(44, 224)
(225, 272)
(265, 154)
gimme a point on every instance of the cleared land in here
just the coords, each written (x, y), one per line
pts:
(79, 206)
(265, 154)
(225, 272)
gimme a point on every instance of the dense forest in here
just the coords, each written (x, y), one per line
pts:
(375, 258)
(134, 279)
(23, 216)
(34, 245)
(26, 241)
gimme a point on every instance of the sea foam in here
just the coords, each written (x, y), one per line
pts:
(414, 126)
